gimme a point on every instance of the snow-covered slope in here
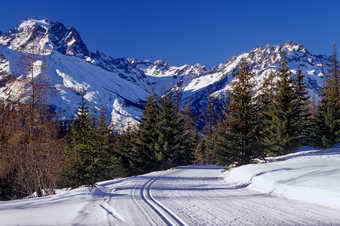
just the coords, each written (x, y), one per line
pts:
(189, 195)
(121, 85)
(310, 176)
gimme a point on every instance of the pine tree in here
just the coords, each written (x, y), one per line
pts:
(163, 139)
(174, 144)
(143, 156)
(263, 101)
(210, 118)
(88, 149)
(304, 126)
(79, 153)
(224, 154)
(328, 114)
(237, 134)
(8, 183)
(110, 164)
(208, 147)
(280, 133)
(123, 148)
(191, 132)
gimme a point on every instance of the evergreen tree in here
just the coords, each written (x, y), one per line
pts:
(211, 118)
(224, 154)
(280, 133)
(237, 138)
(123, 148)
(328, 115)
(191, 132)
(80, 151)
(88, 157)
(174, 144)
(207, 148)
(8, 184)
(143, 156)
(304, 124)
(263, 101)
(109, 162)
(162, 139)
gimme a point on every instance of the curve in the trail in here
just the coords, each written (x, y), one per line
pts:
(178, 220)
(133, 193)
(167, 216)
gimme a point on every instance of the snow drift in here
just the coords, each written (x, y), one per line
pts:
(311, 176)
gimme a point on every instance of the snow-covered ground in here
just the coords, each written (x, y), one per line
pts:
(311, 176)
(198, 195)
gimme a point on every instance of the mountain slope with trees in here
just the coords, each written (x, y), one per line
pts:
(122, 85)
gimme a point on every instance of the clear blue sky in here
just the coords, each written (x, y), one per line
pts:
(186, 31)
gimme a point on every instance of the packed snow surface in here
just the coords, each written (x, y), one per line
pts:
(310, 175)
(199, 195)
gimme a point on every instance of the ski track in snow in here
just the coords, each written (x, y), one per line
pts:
(192, 195)
(165, 214)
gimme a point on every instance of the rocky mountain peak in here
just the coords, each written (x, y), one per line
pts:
(44, 36)
(122, 84)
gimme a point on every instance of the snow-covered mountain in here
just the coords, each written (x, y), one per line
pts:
(121, 85)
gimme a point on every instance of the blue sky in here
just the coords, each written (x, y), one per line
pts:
(186, 31)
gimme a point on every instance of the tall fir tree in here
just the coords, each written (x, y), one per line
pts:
(174, 144)
(280, 133)
(190, 131)
(79, 169)
(237, 134)
(109, 162)
(304, 126)
(123, 147)
(208, 145)
(328, 114)
(163, 139)
(88, 158)
(143, 156)
(210, 117)
(263, 101)
(223, 152)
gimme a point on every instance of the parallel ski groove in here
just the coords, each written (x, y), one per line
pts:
(145, 199)
(167, 216)
(169, 212)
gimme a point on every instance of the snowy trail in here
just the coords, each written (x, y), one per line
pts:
(200, 196)
(165, 214)
(182, 196)
(209, 200)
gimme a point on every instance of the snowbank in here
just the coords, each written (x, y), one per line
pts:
(310, 176)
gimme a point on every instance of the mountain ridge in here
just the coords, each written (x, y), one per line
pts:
(121, 85)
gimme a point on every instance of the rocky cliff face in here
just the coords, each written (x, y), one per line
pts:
(121, 85)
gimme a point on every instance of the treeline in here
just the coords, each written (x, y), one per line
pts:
(39, 153)
(273, 119)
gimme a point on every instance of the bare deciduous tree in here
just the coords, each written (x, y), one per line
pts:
(29, 134)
